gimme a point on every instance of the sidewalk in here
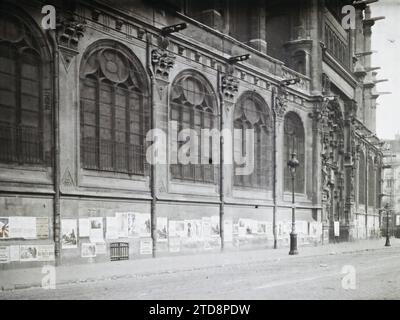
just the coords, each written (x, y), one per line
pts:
(32, 277)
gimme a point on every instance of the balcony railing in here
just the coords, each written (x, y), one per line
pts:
(21, 144)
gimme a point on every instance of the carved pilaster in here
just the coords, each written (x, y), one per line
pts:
(279, 101)
(69, 31)
(162, 60)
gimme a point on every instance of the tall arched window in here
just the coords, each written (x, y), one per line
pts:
(361, 178)
(371, 182)
(24, 77)
(114, 110)
(194, 106)
(294, 143)
(251, 113)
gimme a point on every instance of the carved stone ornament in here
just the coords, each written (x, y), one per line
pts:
(162, 62)
(280, 101)
(229, 86)
(69, 32)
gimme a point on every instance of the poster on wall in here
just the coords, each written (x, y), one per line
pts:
(193, 229)
(111, 228)
(133, 230)
(174, 244)
(176, 228)
(4, 254)
(101, 248)
(45, 252)
(88, 250)
(336, 228)
(228, 230)
(261, 227)
(162, 229)
(146, 246)
(247, 227)
(206, 227)
(42, 227)
(14, 253)
(68, 233)
(4, 228)
(214, 226)
(28, 253)
(84, 228)
(22, 227)
(96, 233)
(122, 224)
(144, 224)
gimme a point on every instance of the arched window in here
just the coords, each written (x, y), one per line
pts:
(294, 143)
(194, 106)
(251, 113)
(361, 178)
(371, 183)
(22, 86)
(114, 111)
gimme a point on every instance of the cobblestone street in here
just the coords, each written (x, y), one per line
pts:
(310, 275)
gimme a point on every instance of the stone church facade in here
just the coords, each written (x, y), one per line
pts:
(77, 103)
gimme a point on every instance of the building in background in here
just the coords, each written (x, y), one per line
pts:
(76, 104)
(391, 184)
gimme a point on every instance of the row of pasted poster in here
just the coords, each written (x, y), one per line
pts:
(26, 253)
(91, 250)
(123, 225)
(24, 228)
(137, 225)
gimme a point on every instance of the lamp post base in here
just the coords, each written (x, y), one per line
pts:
(387, 244)
(293, 244)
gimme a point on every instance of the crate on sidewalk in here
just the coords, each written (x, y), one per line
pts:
(119, 251)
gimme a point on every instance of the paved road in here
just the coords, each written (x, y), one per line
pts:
(377, 276)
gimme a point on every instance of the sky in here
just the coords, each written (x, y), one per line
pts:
(386, 40)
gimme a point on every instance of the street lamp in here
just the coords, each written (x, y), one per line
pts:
(293, 163)
(387, 208)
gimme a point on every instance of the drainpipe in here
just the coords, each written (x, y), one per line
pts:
(56, 152)
(221, 161)
(153, 202)
(274, 161)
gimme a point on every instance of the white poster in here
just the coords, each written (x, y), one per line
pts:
(144, 224)
(162, 229)
(68, 233)
(84, 228)
(146, 246)
(88, 250)
(4, 228)
(228, 230)
(214, 226)
(22, 227)
(398, 220)
(42, 227)
(247, 227)
(133, 225)
(4, 254)
(101, 248)
(45, 252)
(206, 227)
(261, 227)
(122, 224)
(111, 228)
(174, 244)
(28, 253)
(176, 228)
(96, 233)
(336, 228)
(14, 253)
